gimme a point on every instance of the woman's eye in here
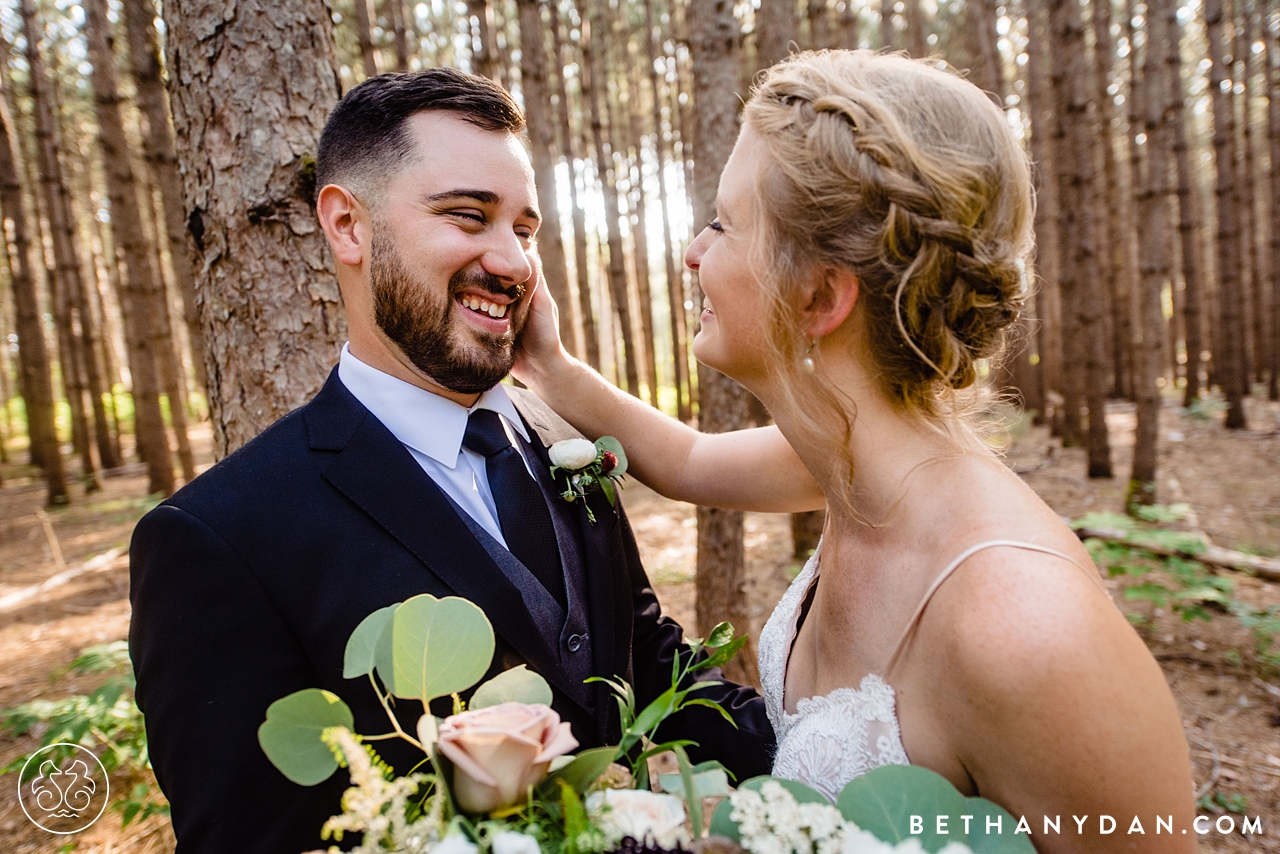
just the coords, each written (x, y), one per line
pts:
(715, 226)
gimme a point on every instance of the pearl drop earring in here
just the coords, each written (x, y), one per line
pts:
(807, 362)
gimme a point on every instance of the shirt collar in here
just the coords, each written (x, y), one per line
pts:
(426, 422)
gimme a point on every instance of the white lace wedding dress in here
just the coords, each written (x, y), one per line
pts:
(834, 738)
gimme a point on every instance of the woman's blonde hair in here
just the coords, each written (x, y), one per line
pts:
(911, 178)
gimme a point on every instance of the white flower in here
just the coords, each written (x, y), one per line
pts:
(572, 454)
(454, 843)
(644, 816)
(511, 842)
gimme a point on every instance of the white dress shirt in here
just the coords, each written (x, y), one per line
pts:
(431, 427)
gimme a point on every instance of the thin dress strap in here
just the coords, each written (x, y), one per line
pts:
(946, 573)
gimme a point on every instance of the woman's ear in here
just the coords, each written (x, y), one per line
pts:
(344, 221)
(829, 301)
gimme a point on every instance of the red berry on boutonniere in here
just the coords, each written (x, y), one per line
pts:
(609, 462)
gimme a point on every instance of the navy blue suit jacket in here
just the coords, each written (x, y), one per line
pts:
(247, 583)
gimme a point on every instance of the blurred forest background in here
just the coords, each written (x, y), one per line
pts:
(166, 293)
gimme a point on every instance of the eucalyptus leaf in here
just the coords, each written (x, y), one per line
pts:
(712, 783)
(722, 825)
(613, 446)
(883, 801)
(439, 647)
(517, 685)
(579, 774)
(290, 736)
(362, 647)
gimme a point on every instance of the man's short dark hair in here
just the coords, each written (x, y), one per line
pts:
(366, 137)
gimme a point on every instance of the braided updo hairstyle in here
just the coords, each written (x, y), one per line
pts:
(910, 177)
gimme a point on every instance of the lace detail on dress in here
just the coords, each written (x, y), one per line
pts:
(830, 739)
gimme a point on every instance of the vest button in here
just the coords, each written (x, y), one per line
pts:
(574, 643)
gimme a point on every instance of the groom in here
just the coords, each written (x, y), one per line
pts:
(411, 471)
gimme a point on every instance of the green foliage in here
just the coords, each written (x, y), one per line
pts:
(1220, 803)
(107, 721)
(439, 647)
(292, 734)
(1179, 583)
(517, 685)
(1202, 409)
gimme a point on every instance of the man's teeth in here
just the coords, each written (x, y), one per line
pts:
(492, 309)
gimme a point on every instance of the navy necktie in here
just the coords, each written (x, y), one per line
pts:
(522, 510)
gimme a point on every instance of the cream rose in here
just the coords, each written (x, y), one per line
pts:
(644, 816)
(500, 751)
(572, 454)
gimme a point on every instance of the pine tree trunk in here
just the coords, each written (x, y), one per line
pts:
(364, 34)
(1189, 218)
(246, 147)
(139, 279)
(849, 26)
(484, 60)
(542, 142)
(1155, 246)
(886, 25)
(588, 338)
(1043, 113)
(1252, 282)
(722, 403)
(396, 13)
(775, 31)
(35, 380)
(640, 234)
(917, 43)
(1272, 42)
(674, 281)
(819, 25)
(162, 162)
(596, 83)
(1113, 239)
(66, 283)
(1229, 345)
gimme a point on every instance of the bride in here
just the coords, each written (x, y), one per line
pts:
(867, 253)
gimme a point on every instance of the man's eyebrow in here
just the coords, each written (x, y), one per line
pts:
(486, 197)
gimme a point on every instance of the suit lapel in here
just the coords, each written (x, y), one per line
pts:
(374, 471)
(608, 589)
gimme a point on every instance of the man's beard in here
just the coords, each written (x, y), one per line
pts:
(417, 319)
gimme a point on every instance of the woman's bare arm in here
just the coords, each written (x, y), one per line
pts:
(743, 470)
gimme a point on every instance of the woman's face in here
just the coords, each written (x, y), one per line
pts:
(734, 322)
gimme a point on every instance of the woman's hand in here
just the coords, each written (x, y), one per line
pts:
(538, 346)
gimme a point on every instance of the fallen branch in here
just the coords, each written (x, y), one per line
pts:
(105, 561)
(1211, 555)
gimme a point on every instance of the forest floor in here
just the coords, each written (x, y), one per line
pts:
(1230, 704)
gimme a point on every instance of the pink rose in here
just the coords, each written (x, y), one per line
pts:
(500, 751)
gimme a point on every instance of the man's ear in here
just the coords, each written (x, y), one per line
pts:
(345, 222)
(829, 301)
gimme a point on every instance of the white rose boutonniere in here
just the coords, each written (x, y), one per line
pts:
(580, 467)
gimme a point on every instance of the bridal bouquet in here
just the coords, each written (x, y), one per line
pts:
(499, 776)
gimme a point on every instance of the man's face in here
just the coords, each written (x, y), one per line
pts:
(452, 253)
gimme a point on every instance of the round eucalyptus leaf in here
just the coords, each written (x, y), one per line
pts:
(290, 736)
(439, 646)
(613, 446)
(517, 685)
(722, 825)
(362, 647)
(883, 801)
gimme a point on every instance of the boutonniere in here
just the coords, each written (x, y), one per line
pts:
(584, 467)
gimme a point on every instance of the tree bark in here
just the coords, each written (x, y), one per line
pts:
(1189, 218)
(917, 38)
(1156, 245)
(1229, 346)
(250, 94)
(364, 33)
(674, 281)
(886, 25)
(484, 60)
(775, 30)
(849, 26)
(139, 300)
(589, 338)
(1114, 249)
(596, 83)
(1272, 41)
(819, 24)
(66, 283)
(722, 403)
(1252, 288)
(162, 161)
(640, 236)
(396, 13)
(1043, 113)
(542, 142)
(36, 377)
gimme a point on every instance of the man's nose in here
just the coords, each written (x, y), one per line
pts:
(508, 259)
